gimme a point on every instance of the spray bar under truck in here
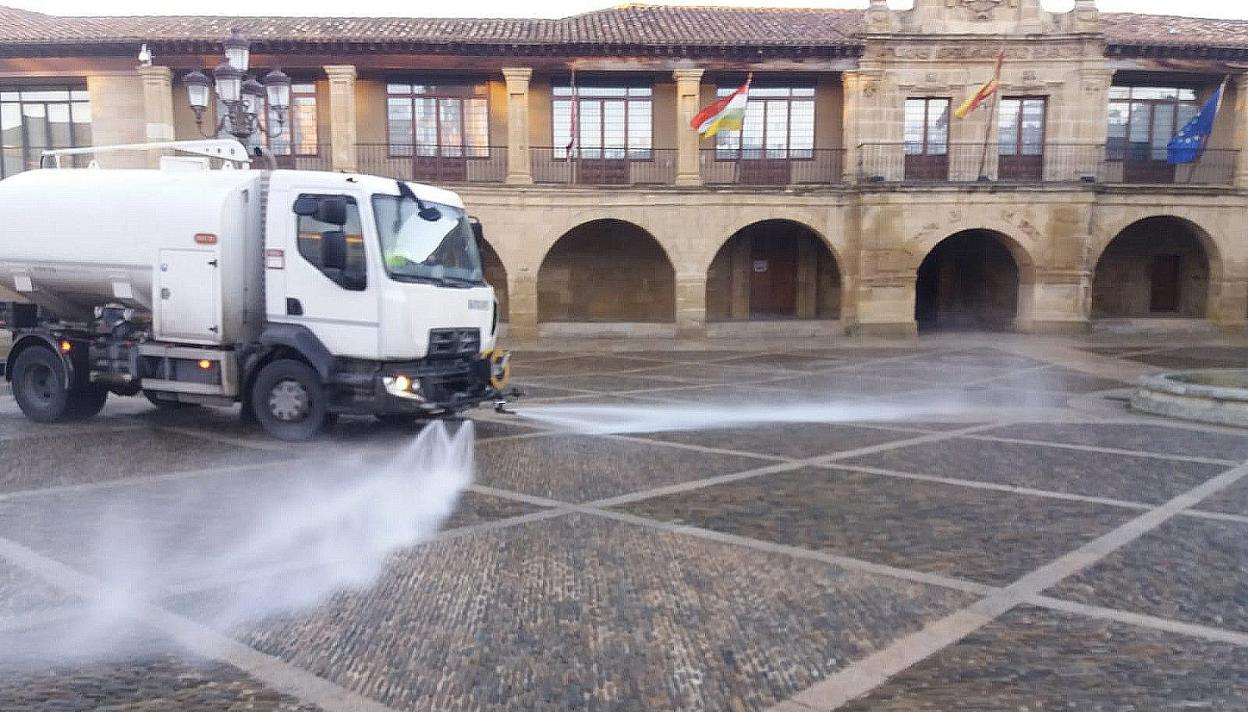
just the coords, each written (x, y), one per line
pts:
(300, 294)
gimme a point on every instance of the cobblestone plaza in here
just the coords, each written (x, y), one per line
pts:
(1042, 547)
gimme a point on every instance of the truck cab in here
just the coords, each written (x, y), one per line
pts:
(300, 294)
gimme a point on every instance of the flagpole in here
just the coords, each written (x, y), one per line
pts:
(1204, 142)
(992, 117)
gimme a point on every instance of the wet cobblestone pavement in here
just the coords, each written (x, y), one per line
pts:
(1036, 547)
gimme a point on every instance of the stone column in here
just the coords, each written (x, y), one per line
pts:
(117, 111)
(522, 304)
(342, 116)
(688, 98)
(851, 105)
(519, 159)
(691, 304)
(1054, 301)
(1241, 130)
(158, 104)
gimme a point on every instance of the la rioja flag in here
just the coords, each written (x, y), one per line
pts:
(727, 113)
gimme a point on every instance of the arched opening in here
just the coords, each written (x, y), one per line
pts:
(496, 275)
(1157, 267)
(968, 281)
(774, 269)
(606, 271)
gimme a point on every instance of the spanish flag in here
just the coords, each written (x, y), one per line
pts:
(727, 113)
(981, 95)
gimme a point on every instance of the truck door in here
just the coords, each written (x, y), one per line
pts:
(189, 296)
(339, 305)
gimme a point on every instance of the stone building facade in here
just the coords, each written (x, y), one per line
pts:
(853, 201)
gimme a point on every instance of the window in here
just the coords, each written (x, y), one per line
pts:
(1142, 120)
(445, 121)
(1021, 126)
(36, 118)
(442, 251)
(927, 127)
(310, 231)
(779, 123)
(298, 136)
(611, 122)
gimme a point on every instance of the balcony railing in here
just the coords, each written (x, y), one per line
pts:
(1051, 163)
(1127, 164)
(654, 166)
(321, 160)
(819, 166)
(481, 164)
(970, 163)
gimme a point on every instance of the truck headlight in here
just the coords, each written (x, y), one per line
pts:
(403, 387)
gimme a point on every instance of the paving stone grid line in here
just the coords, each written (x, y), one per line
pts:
(1177, 506)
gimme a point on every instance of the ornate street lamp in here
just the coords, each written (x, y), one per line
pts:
(242, 96)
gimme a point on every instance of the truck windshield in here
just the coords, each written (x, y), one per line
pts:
(443, 251)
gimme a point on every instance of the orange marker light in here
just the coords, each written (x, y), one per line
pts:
(205, 238)
(66, 346)
(205, 364)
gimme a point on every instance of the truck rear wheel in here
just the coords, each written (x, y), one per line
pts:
(39, 385)
(289, 401)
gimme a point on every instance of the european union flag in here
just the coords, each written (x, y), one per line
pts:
(1185, 148)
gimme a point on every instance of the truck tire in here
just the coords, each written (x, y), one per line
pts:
(39, 385)
(86, 402)
(289, 400)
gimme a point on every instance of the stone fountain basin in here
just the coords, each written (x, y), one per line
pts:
(1209, 396)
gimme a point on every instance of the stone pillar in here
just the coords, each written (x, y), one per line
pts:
(1241, 130)
(851, 92)
(691, 304)
(1054, 302)
(885, 306)
(688, 98)
(342, 116)
(1228, 303)
(117, 116)
(158, 102)
(522, 304)
(519, 158)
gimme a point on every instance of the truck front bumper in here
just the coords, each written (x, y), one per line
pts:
(435, 388)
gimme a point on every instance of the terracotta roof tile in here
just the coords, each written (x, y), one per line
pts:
(636, 24)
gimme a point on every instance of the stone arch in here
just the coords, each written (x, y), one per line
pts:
(606, 270)
(800, 275)
(1161, 265)
(496, 275)
(972, 279)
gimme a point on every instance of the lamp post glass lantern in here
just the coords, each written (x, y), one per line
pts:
(242, 97)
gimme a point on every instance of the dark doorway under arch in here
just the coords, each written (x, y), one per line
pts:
(773, 269)
(606, 271)
(1155, 267)
(968, 282)
(496, 275)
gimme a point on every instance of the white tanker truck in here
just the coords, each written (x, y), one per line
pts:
(300, 294)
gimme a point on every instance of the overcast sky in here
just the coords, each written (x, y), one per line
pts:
(1237, 9)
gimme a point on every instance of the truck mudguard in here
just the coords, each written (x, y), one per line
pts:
(301, 339)
(50, 341)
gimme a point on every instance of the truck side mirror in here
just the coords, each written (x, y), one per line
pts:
(334, 250)
(477, 231)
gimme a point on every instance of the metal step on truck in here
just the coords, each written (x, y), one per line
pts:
(301, 295)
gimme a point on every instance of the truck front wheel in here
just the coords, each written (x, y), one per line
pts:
(289, 401)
